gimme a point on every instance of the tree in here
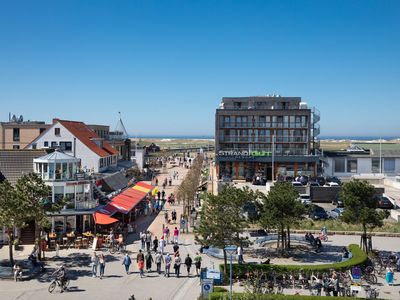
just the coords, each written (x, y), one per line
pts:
(360, 207)
(222, 220)
(12, 213)
(281, 210)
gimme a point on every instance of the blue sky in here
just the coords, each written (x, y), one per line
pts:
(166, 64)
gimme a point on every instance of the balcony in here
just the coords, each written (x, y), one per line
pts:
(263, 125)
(263, 139)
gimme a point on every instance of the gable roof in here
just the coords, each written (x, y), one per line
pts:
(15, 163)
(86, 136)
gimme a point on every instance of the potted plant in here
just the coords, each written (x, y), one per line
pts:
(16, 243)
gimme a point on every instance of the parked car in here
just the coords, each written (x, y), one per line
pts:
(331, 183)
(335, 213)
(313, 183)
(384, 202)
(305, 199)
(296, 183)
(318, 213)
(337, 201)
(333, 179)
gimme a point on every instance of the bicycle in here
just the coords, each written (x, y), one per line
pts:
(116, 247)
(370, 292)
(57, 282)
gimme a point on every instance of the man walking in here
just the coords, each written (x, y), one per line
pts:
(168, 260)
(240, 254)
(159, 259)
(162, 245)
(127, 262)
(188, 264)
(148, 240)
(197, 263)
(177, 265)
(176, 234)
(155, 244)
(149, 260)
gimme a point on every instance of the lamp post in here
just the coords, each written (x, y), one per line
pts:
(230, 250)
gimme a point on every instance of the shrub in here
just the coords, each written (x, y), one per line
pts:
(359, 257)
(243, 296)
(219, 289)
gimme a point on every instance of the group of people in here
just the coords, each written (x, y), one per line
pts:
(146, 260)
(98, 261)
(315, 242)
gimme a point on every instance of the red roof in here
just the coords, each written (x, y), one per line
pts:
(86, 136)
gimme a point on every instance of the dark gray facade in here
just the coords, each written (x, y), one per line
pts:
(258, 136)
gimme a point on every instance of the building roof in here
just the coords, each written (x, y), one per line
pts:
(87, 137)
(368, 150)
(56, 156)
(15, 163)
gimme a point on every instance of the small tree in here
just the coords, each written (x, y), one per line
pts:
(222, 220)
(360, 207)
(281, 210)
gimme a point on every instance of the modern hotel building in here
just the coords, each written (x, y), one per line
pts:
(266, 136)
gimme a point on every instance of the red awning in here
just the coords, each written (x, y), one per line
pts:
(103, 219)
(145, 185)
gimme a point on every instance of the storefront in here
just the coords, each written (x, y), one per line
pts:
(244, 165)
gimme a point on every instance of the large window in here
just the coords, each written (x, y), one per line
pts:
(352, 165)
(339, 163)
(66, 146)
(375, 168)
(389, 165)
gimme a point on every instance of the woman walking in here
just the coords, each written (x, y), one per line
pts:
(102, 263)
(168, 260)
(94, 262)
(149, 260)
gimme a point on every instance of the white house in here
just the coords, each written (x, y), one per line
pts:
(78, 140)
(61, 173)
(363, 159)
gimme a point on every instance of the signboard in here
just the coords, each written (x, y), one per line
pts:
(94, 246)
(207, 287)
(244, 153)
(213, 274)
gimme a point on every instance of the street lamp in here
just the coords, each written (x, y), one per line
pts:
(230, 250)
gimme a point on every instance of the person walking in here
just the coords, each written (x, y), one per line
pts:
(168, 261)
(240, 254)
(176, 249)
(94, 261)
(143, 239)
(162, 245)
(173, 215)
(166, 234)
(127, 262)
(149, 260)
(148, 240)
(197, 263)
(102, 263)
(155, 244)
(188, 264)
(140, 262)
(177, 265)
(159, 259)
(176, 235)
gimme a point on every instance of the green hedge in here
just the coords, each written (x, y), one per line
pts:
(243, 296)
(358, 258)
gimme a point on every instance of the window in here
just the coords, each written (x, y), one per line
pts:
(66, 146)
(352, 165)
(57, 131)
(16, 135)
(339, 164)
(45, 144)
(389, 165)
(15, 146)
(375, 168)
(34, 146)
(54, 144)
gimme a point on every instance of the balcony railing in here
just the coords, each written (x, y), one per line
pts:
(277, 152)
(263, 125)
(263, 139)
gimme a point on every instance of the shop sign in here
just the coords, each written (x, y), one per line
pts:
(244, 153)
